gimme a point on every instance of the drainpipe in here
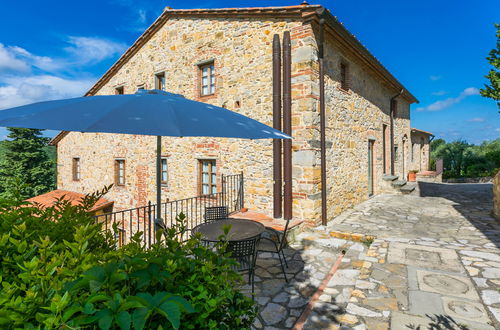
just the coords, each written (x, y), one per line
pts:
(429, 162)
(287, 125)
(277, 187)
(322, 118)
(392, 108)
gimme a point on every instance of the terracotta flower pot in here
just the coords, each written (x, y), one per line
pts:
(243, 210)
(412, 176)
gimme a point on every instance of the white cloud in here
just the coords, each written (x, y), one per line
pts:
(497, 129)
(446, 103)
(42, 62)
(439, 93)
(434, 78)
(90, 50)
(9, 61)
(24, 90)
(476, 120)
(141, 13)
(26, 77)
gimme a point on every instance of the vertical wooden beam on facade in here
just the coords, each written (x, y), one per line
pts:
(384, 148)
(322, 119)
(277, 173)
(287, 125)
(392, 106)
(158, 178)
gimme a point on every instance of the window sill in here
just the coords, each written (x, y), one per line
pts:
(207, 97)
(346, 91)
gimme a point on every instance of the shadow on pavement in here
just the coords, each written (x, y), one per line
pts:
(473, 201)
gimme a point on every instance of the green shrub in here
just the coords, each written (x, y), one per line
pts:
(59, 270)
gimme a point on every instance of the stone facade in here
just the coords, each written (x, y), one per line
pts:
(419, 151)
(241, 49)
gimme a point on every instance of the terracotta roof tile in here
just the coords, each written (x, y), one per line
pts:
(48, 199)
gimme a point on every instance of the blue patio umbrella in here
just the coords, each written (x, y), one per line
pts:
(148, 112)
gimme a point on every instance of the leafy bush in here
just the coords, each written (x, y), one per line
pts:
(462, 159)
(58, 269)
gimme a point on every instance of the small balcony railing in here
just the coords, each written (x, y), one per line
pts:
(125, 224)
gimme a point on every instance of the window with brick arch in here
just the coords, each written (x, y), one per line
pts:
(207, 79)
(119, 90)
(160, 81)
(76, 169)
(208, 176)
(164, 171)
(120, 172)
(344, 76)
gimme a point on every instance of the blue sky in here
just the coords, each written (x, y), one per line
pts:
(54, 49)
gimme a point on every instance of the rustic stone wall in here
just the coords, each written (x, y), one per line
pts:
(241, 49)
(421, 150)
(355, 117)
(496, 196)
(242, 53)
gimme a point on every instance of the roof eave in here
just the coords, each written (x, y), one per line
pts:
(422, 132)
(360, 49)
(291, 11)
(305, 12)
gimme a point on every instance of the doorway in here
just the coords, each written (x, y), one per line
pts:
(370, 167)
(403, 160)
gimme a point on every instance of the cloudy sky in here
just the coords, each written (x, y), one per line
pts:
(52, 49)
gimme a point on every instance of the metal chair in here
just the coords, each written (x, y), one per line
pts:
(245, 253)
(216, 213)
(275, 243)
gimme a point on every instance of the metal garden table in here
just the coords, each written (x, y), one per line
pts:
(241, 229)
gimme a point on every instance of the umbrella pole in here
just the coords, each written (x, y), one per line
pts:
(158, 178)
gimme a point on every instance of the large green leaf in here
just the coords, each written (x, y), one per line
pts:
(124, 320)
(139, 318)
(171, 311)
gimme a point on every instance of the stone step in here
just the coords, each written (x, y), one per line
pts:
(390, 177)
(408, 187)
(398, 183)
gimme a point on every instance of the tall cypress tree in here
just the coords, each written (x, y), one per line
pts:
(26, 161)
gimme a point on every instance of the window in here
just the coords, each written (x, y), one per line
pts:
(119, 90)
(208, 170)
(344, 76)
(207, 79)
(160, 81)
(396, 155)
(120, 172)
(412, 152)
(140, 87)
(76, 169)
(164, 171)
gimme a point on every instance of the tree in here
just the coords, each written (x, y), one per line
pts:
(492, 90)
(462, 159)
(26, 163)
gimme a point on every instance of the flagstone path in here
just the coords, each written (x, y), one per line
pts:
(434, 264)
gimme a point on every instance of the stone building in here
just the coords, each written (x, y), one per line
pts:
(224, 57)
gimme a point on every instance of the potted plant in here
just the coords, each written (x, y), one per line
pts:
(412, 175)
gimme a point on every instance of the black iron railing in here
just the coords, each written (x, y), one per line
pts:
(127, 223)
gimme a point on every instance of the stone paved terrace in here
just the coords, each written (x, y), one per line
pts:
(434, 264)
